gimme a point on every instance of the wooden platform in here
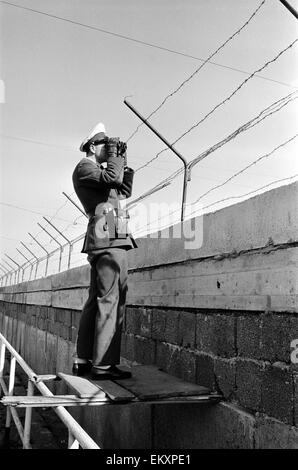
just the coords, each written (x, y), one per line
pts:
(146, 383)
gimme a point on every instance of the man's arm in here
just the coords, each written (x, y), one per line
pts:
(91, 175)
(126, 187)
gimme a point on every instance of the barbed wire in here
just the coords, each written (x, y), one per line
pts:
(272, 109)
(214, 203)
(30, 210)
(37, 142)
(249, 193)
(194, 126)
(138, 41)
(74, 222)
(264, 114)
(170, 95)
(267, 155)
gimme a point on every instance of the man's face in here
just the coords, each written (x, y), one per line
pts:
(99, 150)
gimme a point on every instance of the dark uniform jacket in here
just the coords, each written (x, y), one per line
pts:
(100, 191)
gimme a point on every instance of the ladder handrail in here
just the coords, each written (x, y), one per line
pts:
(77, 435)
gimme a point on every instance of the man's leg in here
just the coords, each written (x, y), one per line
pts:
(111, 279)
(84, 344)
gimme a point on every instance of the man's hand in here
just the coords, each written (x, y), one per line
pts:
(122, 152)
(112, 147)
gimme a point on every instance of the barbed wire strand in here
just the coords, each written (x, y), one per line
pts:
(30, 211)
(267, 155)
(271, 109)
(228, 98)
(144, 43)
(170, 95)
(249, 193)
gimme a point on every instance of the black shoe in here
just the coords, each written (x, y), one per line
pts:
(81, 369)
(113, 373)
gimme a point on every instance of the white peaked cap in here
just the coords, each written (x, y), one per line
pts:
(98, 129)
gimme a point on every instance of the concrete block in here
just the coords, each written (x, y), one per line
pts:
(221, 426)
(145, 318)
(22, 338)
(73, 299)
(67, 317)
(272, 434)
(32, 347)
(187, 330)
(249, 331)
(63, 331)
(19, 298)
(40, 365)
(132, 320)
(205, 370)
(73, 333)
(238, 227)
(75, 318)
(277, 333)
(9, 330)
(51, 353)
(225, 374)
(64, 363)
(21, 287)
(158, 325)
(172, 331)
(42, 284)
(258, 281)
(5, 326)
(51, 314)
(167, 357)
(127, 347)
(39, 298)
(177, 361)
(144, 350)
(216, 334)
(75, 277)
(43, 312)
(187, 366)
(62, 356)
(14, 332)
(277, 392)
(249, 377)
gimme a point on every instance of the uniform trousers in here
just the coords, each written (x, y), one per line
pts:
(99, 334)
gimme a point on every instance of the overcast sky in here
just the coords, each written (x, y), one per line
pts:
(62, 78)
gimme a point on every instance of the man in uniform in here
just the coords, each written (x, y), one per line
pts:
(100, 189)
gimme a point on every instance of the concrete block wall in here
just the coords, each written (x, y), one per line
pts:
(222, 314)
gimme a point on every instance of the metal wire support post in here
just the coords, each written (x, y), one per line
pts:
(63, 236)
(18, 265)
(53, 238)
(6, 273)
(43, 248)
(78, 207)
(186, 165)
(34, 256)
(290, 8)
(31, 264)
(11, 272)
